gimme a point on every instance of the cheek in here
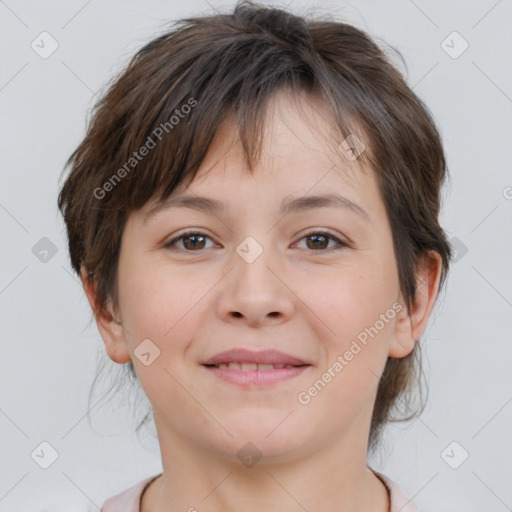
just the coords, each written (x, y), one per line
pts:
(347, 297)
(158, 306)
(356, 343)
(156, 297)
(357, 321)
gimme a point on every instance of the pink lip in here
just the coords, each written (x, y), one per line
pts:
(252, 378)
(241, 355)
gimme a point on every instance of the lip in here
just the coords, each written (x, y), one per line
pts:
(255, 378)
(242, 355)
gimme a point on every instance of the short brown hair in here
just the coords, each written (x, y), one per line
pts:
(233, 64)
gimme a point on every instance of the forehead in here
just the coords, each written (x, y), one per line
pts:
(301, 144)
(300, 156)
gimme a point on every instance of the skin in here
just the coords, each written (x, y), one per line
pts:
(308, 302)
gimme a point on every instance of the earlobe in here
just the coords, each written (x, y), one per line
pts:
(109, 326)
(410, 325)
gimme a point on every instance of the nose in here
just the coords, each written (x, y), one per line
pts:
(256, 293)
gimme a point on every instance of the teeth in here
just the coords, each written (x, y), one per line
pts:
(248, 366)
(266, 367)
(254, 366)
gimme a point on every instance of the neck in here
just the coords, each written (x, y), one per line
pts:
(319, 482)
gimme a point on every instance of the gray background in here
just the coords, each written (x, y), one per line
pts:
(49, 355)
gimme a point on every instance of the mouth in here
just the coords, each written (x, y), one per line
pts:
(247, 367)
(244, 357)
(252, 369)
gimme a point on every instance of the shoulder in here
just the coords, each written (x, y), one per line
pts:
(128, 500)
(400, 502)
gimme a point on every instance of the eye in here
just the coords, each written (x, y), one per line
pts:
(193, 241)
(320, 240)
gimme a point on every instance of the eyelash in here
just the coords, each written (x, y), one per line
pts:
(171, 244)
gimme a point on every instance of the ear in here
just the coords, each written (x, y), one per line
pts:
(109, 325)
(410, 325)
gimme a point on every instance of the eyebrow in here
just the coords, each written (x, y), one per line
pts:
(290, 205)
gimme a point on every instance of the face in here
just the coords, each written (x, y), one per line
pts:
(318, 283)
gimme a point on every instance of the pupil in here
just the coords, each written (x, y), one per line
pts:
(190, 237)
(316, 237)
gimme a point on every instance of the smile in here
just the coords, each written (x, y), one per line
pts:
(252, 375)
(252, 366)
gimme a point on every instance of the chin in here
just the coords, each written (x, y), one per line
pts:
(266, 436)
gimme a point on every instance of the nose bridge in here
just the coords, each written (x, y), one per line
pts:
(252, 263)
(253, 290)
(252, 260)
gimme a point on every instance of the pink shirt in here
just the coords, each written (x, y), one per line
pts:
(129, 500)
